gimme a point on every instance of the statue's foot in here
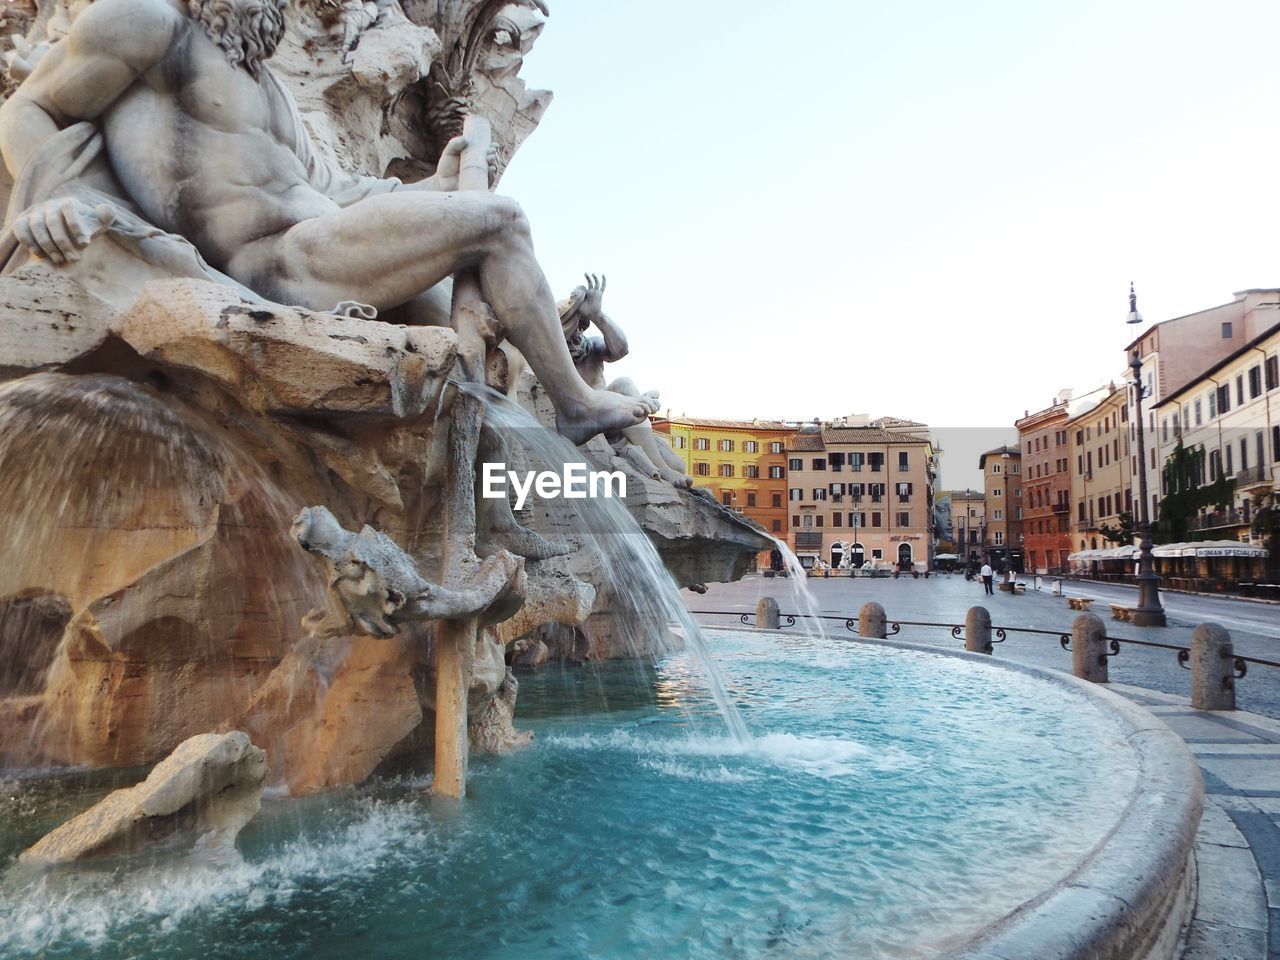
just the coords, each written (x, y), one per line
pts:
(676, 478)
(602, 412)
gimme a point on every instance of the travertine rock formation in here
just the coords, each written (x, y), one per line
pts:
(207, 789)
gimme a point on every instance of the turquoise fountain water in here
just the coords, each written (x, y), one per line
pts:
(898, 802)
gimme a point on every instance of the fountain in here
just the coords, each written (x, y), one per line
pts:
(250, 376)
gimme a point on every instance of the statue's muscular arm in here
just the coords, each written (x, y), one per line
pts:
(110, 45)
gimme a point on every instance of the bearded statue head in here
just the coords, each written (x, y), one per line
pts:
(248, 31)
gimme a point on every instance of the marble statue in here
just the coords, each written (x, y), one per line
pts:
(158, 124)
(580, 311)
(379, 585)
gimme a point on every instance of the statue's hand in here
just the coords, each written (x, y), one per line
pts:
(60, 229)
(594, 301)
(451, 162)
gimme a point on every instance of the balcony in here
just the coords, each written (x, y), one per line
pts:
(808, 540)
(1062, 508)
(1253, 477)
(1220, 519)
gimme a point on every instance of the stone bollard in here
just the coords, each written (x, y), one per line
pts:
(977, 630)
(767, 614)
(1089, 648)
(1213, 683)
(871, 621)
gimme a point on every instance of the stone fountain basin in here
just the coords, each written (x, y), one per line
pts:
(1130, 896)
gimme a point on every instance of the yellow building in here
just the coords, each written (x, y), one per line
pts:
(742, 462)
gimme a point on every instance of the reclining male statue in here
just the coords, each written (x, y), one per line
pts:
(167, 109)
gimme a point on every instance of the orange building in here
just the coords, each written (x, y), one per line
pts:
(1046, 488)
(742, 462)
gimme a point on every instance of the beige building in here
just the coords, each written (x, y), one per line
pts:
(1176, 352)
(1002, 492)
(1230, 414)
(1101, 488)
(968, 524)
(862, 488)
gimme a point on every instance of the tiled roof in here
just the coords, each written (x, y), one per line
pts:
(805, 441)
(868, 435)
(728, 424)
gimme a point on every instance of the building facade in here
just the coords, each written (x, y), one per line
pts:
(968, 524)
(862, 490)
(1002, 497)
(1229, 416)
(1101, 487)
(742, 462)
(1176, 352)
(1046, 488)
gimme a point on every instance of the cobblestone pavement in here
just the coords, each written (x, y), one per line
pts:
(1237, 910)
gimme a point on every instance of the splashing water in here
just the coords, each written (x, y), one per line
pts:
(646, 601)
(811, 614)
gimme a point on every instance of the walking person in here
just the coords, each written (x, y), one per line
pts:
(988, 576)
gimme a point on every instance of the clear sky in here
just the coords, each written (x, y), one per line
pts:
(924, 209)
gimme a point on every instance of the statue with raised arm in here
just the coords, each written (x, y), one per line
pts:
(581, 310)
(158, 126)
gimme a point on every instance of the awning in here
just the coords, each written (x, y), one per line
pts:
(947, 556)
(1211, 548)
(1127, 552)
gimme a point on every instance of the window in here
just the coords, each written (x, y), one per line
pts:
(819, 463)
(726, 497)
(904, 492)
(751, 498)
(777, 500)
(875, 519)
(795, 520)
(999, 538)
(819, 520)
(1226, 329)
(997, 492)
(1244, 454)
(1240, 390)
(998, 515)
(1275, 443)
(1273, 372)
(903, 460)
(751, 471)
(1224, 399)
(702, 469)
(855, 462)
(795, 463)
(819, 493)
(750, 446)
(837, 519)
(1230, 462)
(836, 460)
(1199, 419)
(904, 518)
(877, 461)
(726, 446)
(775, 446)
(995, 468)
(877, 491)
(1255, 382)
(775, 473)
(808, 519)
(726, 469)
(777, 526)
(677, 443)
(795, 495)
(701, 443)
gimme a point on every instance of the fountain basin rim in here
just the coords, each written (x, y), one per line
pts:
(1130, 896)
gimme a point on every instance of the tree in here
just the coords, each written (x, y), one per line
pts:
(1186, 493)
(1122, 533)
(1266, 525)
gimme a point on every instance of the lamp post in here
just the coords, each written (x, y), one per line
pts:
(1008, 521)
(1149, 612)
